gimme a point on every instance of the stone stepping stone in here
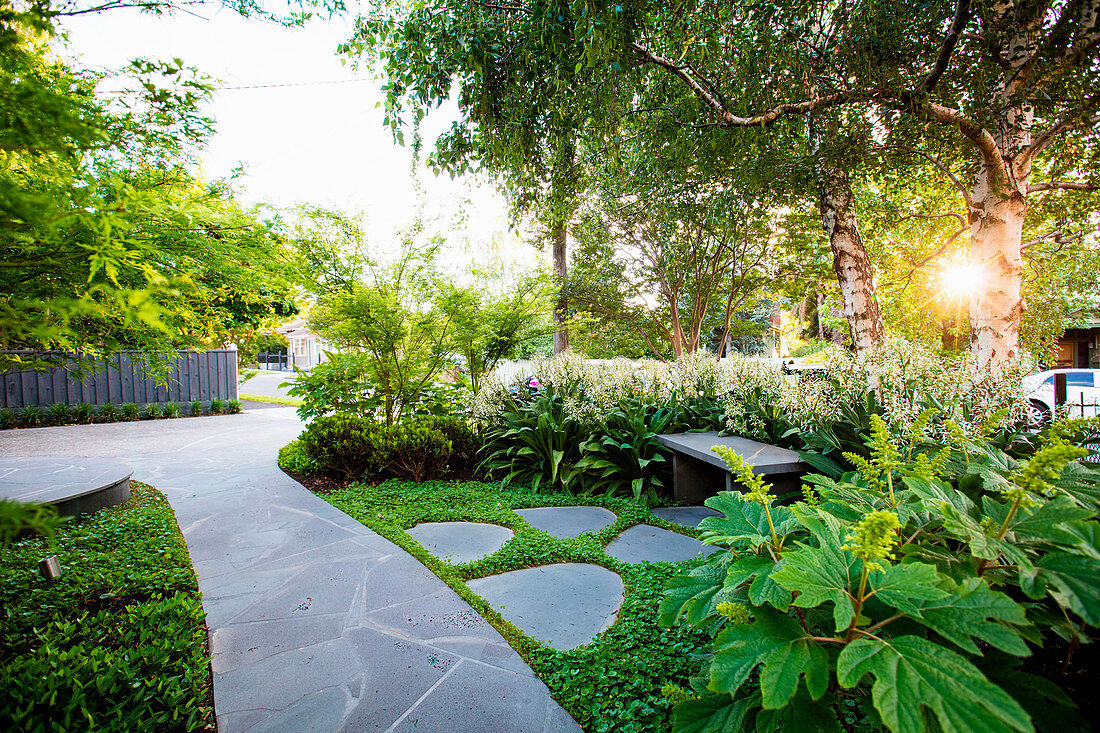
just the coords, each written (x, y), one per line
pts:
(566, 522)
(643, 543)
(685, 516)
(459, 542)
(564, 605)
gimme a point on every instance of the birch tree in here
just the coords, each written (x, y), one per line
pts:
(1015, 81)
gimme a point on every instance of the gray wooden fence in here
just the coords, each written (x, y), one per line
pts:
(125, 376)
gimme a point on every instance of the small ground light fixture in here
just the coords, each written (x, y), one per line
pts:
(49, 567)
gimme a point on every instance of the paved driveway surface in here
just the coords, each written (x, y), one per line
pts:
(316, 622)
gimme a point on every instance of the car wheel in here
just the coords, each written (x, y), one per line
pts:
(1038, 414)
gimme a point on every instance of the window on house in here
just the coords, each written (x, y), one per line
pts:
(299, 347)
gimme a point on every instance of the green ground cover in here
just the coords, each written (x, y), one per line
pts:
(118, 643)
(288, 401)
(613, 683)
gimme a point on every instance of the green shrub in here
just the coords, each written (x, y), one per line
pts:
(233, 407)
(7, 418)
(32, 416)
(108, 413)
(83, 413)
(911, 591)
(343, 444)
(118, 642)
(130, 411)
(217, 406)
(294, 459)
(17, 518)
(339, 384)
(196, 408)
(415, 451)
(59, 413)
(152, 410)
(171, 409)
(465, 442)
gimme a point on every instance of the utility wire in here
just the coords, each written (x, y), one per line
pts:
(291, 84)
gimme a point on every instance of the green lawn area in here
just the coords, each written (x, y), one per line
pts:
(118, 643)
(288, 401)
(612, 684)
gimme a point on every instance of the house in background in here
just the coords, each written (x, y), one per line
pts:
(1079, 348)
(305, 349)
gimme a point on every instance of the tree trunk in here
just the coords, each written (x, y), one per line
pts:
(997, 214)
(998, 205)
(850, 260)
(561, 271)
(820, 314)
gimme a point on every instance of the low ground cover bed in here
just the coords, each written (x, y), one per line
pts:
(118, 643)
(62, 413)
(612, 684)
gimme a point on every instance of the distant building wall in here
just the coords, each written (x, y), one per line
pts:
(122, 377)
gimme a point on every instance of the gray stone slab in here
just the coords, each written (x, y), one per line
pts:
(73, 485)
(764, 459)
(568, 521)
(685, 516)
(564, 605)
(643, 543)
(474, 697)
(316, 622)
(459, 542)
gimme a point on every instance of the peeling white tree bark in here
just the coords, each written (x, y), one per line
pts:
(850, 261)
(561, 271)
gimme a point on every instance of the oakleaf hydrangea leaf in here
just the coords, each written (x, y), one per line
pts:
(694, 596)
(901, 586)
(710, 714)
(802, 715)
(1074, 581)
(912, 673)
(777, 642)
(745, 522)
(823, 573)
(974, 611)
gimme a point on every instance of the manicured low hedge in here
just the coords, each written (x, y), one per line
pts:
(349, 447)
(117, 643)
(83, 413)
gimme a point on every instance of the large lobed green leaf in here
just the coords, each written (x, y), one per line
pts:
(911, 673)
(745, 522)
(778, 644)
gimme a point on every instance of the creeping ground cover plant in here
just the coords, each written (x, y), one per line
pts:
(912, 594)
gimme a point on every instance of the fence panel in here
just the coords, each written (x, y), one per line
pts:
(122, 377)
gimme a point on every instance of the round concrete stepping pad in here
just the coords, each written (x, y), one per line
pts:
(642, 543)
(566, 522)
(459, 542)
(685, 516)
(564, 605)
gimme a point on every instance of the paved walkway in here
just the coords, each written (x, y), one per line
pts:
(316, 622)
(267, 384)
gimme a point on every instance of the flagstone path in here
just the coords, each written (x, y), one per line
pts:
(316, 622)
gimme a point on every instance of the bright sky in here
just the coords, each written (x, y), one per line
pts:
(322, 143)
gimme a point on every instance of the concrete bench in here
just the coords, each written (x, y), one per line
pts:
(698, 473)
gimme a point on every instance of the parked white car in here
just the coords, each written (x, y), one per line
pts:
(1082, 394)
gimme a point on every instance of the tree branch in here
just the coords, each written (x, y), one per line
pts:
(939, 164)
(1063, 186)
(962, 17)
(1043, 139)
(702, 89)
